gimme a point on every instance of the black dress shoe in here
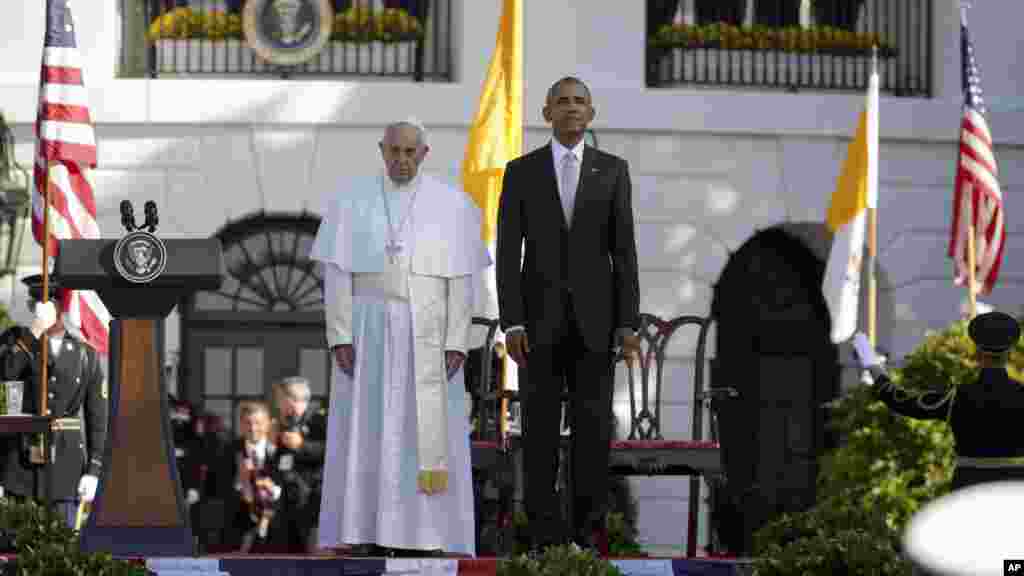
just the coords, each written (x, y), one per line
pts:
(366, 551)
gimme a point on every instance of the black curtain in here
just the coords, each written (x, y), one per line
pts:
(838, 13)
(728, 11)
(659, 13)
(777, 13)
(416, 8)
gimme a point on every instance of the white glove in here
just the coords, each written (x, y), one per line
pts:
(46, 316)
(865, 353)
(87, 487)
(193, 496)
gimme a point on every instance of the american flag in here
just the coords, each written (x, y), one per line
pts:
(977, 186)
(66, 142)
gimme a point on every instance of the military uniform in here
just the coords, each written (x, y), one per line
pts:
(76, 396)
(302, 474)
(984, 416)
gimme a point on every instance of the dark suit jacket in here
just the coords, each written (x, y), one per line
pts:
(75, 390)
(595, 260)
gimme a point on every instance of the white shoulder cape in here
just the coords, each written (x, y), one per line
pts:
(445, 236)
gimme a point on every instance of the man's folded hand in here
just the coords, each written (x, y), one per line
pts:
(518, 346)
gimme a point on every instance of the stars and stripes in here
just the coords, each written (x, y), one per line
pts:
(66, 145)
(977, 197)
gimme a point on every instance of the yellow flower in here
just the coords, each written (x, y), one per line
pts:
(171, 24)
(217, 25)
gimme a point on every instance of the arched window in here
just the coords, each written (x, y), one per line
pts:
(267, 265)
(264, 323)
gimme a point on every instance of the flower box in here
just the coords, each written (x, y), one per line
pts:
(823, 69)
(199, 56)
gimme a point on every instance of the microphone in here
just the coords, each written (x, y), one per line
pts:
(127, 215)
(151, 218)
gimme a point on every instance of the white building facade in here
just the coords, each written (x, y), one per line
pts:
(711, 166)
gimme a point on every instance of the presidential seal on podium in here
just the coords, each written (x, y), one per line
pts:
(139, 256)
(287, 32)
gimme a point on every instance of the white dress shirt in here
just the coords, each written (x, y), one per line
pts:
(257, 451)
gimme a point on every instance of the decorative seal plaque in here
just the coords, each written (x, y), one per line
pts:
(287, 32)
(139, 256)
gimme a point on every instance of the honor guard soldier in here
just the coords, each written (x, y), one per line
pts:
(76, 398)
(985, 416)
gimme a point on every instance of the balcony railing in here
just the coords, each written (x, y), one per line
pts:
(791, 44)
(382, 38)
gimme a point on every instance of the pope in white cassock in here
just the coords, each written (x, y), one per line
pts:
(399, 252)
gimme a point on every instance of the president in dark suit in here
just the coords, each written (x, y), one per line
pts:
(566, 301)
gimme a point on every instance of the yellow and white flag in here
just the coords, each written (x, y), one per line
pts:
(496, 137)
(856, 191)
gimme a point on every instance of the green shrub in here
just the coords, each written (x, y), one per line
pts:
(832, 538)
(558, 561)
(46, 546)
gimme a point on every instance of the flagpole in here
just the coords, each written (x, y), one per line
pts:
(972, 280)
(972, 297)
(873, 213)
(44, 409)
(872, 285)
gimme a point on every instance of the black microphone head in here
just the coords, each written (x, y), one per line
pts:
(126, 208)
(150, 207)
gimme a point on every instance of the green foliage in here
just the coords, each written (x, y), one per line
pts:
(836, 538)
(558, 561)
(887, 467)
(622, 537)
(46, 546)
(5, 318)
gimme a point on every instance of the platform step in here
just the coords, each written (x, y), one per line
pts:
(421, 567)
(185, 566)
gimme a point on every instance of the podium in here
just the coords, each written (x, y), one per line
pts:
(139, 509)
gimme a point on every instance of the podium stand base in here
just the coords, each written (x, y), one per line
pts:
(139, 509)
(136, 541)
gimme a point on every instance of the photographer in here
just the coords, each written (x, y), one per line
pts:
(300, 461)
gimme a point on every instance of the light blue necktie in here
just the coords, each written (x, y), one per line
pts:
(570, 176)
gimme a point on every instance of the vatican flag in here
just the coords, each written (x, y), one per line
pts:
(856, 192)
(495, 137)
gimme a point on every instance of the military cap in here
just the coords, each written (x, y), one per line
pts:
(35, 287)
(994, 332)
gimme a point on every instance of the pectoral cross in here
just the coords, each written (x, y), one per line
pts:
(393, 248)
